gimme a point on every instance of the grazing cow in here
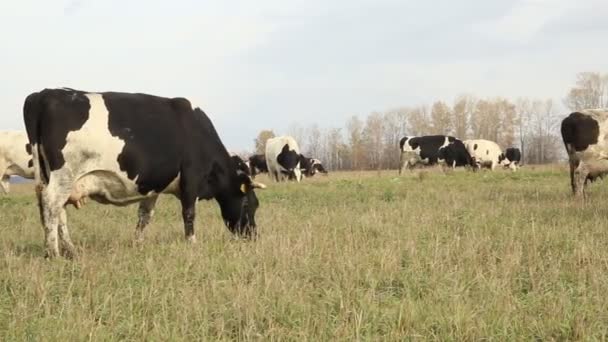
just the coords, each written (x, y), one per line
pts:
(426, 150)
(257, 164)
(283, 158)
(513, 155)
(310, 166)
(121, 148)
(455, 154)
(14, 159)
(485, 153)
(586, 140)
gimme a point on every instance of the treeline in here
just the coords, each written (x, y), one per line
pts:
(373, 142)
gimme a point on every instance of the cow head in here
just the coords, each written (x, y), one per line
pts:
(239, 209)
(310, 166)
(502, 160)
(318, 167)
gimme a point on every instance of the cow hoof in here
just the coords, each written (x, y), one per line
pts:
(51, 254)
(68, 254)
(191, 239)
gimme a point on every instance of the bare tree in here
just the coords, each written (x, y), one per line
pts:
(590, 91)
(441, 119)
(314, 142)
(373, 139)
(298, 132)
(461, 113)
(419, 121)
(354, 128)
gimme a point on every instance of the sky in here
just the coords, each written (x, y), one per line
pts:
(267, 64)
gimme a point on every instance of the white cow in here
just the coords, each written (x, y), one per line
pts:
(14, 159)
(283, 158)
(485, 153)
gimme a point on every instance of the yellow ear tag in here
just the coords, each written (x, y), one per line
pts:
(243, 188)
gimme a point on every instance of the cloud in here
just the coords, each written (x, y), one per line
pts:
(73, 7)
(526, 19)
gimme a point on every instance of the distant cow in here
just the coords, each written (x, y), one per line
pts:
(310, 166)
(14, 158)
(455, 154)
(121, 148)
(425, 150)
(485, 153)
(585, 137)
(283, 158)
(257, 164)
(513, 160)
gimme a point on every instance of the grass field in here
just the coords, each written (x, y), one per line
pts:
(352, 256)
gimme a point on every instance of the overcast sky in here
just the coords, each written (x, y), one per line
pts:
(259, 64)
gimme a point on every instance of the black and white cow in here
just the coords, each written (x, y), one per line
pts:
(585, 135)
(283, 159)
(425, 150)
(121, 148)
(257, 164)
(513, 155)
(14, 159)
(455, 154)
(485, 153)
(310, 166)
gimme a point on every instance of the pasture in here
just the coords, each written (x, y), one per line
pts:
(352, 256)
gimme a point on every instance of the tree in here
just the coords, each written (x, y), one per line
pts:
(373, 135)
(461, 113)
(354, 128)
(523, 109)
(260, 141)
(441, 119)
(590, 91)
(419, 121)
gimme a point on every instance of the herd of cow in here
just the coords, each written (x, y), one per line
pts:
(452, 152)
(122, 148)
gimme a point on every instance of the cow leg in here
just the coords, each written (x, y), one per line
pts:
(144, 213)
(188, 197)
(579, 179)
(572, 182)
(188, 215)
(5, 184)
(67, 247)
(402, 163)
(51, 207)
(51, 200)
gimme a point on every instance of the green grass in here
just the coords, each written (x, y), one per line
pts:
(352, 256)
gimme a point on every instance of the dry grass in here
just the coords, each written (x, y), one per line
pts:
(353, 256)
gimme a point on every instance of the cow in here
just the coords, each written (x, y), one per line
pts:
(585, 137)
(513, 155)
(14, 158)
(455, 154)
(123, 148)
(425, 150)
(257, 164)
(310, 166)
(283, 159)
(485, 153)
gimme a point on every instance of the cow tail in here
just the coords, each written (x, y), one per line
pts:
(32, 112)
